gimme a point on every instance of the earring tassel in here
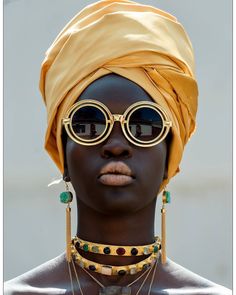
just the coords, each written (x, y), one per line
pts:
(163, 235)
(165, 200)
(68, 233)
(66, 198)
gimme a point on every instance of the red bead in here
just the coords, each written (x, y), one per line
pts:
(120, 251)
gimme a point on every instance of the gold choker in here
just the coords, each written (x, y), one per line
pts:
(117, 250)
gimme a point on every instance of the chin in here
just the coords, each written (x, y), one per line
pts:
(117, 209)
(117, 202)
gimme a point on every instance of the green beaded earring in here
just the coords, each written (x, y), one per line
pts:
(66, 198)
(165, 200)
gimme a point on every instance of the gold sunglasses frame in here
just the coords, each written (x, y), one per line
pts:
(112, 118)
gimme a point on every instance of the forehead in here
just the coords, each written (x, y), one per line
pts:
(116, 92)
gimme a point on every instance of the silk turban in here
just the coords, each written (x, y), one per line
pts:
(139, 42)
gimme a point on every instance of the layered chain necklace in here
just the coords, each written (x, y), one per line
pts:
(147, 265)
(113, 290)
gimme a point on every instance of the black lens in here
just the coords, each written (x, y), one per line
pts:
(88, 122)
(145, 124)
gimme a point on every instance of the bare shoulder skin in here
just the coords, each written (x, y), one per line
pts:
(52, 278)
(174, 279)
(48, 278)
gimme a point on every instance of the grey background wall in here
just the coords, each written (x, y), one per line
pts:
(199, 217)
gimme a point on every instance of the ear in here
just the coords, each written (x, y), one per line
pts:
(166, 171)
(66, 176)
(168, 142)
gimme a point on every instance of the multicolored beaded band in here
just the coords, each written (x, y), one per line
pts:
(112, 269)
(117, 250)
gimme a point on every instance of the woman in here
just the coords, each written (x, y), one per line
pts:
(115, 67)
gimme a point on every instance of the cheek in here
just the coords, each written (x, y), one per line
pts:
(153, 167)
(83, 170)
(81, 161)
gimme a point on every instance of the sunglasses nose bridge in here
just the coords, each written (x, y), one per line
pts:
(118, 118)
(117, 121)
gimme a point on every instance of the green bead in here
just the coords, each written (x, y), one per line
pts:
(155, 249)
(167, 195)
(85, 247)
(66, 197)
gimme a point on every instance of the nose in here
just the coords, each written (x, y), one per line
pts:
(116, 146)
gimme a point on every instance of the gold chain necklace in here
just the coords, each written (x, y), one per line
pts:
(104, 289)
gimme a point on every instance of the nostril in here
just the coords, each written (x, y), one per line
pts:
(116, 149)
(110, 154)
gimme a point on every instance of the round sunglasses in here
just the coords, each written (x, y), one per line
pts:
(90, 122)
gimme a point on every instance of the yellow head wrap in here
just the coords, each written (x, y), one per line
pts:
(139, 42)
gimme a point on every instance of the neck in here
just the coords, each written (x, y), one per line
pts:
(123, 230)
(116, 230)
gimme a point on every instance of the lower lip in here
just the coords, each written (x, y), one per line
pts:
(115, 179)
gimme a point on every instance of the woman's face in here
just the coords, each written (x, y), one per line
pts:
(84, 163)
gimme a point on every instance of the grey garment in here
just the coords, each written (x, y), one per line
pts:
(115, 290)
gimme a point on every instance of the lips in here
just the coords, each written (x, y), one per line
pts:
(116, 174)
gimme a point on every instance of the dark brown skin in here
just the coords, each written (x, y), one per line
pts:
(118, 212)
(114, 215)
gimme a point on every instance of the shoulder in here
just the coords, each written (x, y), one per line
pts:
(52, 278)
(48, 278)
(182, 281)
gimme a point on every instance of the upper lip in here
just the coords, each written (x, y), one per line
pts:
(116, 168)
